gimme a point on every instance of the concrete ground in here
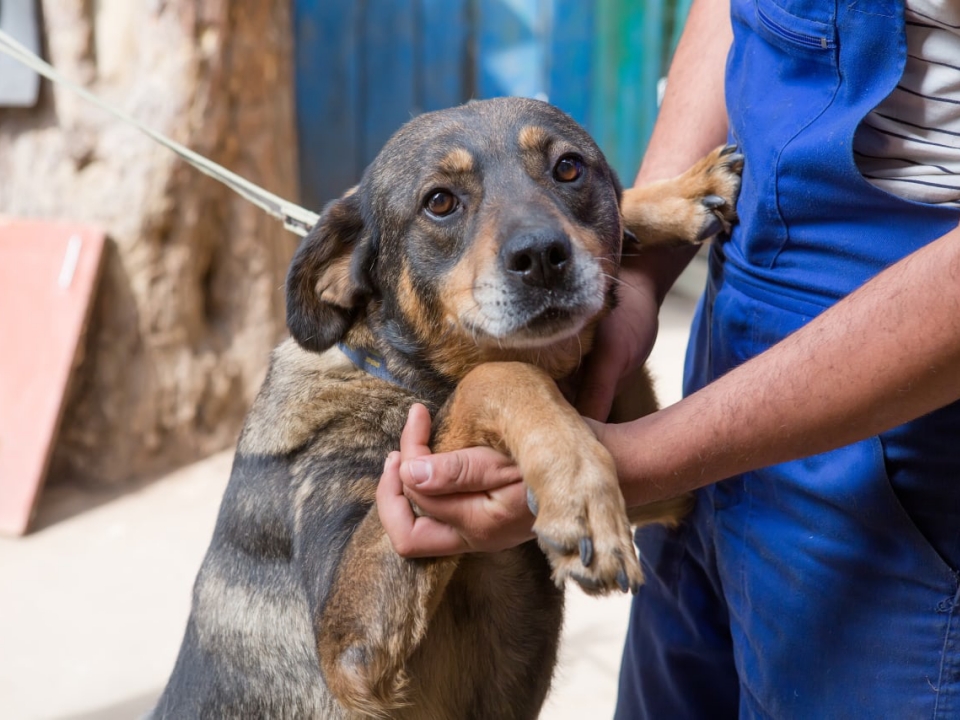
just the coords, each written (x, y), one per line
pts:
(93, 603)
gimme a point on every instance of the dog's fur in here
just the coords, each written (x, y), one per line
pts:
(302, 609)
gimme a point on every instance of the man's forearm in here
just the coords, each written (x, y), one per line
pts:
(692, 119)
(691, 122)
(888, 353)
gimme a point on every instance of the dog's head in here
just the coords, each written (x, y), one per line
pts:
(477, 233)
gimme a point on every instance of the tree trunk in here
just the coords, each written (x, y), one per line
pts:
(191, 298)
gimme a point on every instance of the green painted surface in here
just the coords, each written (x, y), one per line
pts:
(363, 68)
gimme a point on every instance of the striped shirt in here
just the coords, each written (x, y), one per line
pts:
(910, 144)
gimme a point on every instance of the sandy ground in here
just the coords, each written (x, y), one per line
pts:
(94, 601)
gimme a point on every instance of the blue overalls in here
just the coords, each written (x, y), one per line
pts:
(826, 587)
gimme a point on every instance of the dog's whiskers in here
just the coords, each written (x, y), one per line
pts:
(620, 281)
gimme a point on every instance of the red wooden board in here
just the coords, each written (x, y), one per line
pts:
(48, 273)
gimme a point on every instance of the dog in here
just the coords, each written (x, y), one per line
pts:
(467, 271)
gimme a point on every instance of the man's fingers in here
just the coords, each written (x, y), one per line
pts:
(485, 521)
(411, 536)
(415, 439)
(394, 509)
(472, 499)
(432, 538)
(478, 469)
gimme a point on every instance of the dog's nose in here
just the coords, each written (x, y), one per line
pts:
(538, 259)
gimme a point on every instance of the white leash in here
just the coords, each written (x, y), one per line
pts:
(295, 218)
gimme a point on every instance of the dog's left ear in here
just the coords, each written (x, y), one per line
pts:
(328, 280)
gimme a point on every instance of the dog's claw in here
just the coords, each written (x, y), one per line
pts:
(713, 226)
(713, 201)
(586, 551)
(622, 580)
(732, 147)
(532, 502)
(588, 584)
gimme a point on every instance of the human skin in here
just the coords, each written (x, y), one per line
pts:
(887, 353)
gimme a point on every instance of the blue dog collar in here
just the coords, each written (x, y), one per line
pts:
(370, 363)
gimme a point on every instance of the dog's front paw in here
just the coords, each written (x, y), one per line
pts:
(689, 208)
(714, 184)
(581, 523)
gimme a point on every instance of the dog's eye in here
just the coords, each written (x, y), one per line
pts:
(441, 203)
(568, 168)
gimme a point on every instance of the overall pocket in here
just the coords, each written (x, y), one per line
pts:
(782, 74)
(778, 24)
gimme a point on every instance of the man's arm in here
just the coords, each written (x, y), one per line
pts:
(888, 353)
(692, 119)
(691, 122)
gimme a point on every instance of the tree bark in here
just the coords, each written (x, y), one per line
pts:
(191, 298)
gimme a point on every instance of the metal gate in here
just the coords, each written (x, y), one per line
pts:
(365, 67)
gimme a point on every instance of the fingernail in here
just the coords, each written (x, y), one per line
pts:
(420, 470)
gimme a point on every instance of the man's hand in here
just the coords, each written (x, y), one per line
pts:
(471, 500)
(622, 343)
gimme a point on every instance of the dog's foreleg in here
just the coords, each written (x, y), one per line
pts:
(375, 617)
(581, 520)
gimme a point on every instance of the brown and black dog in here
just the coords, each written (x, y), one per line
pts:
(467, 272)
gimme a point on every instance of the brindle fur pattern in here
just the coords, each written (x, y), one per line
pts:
(302, 609)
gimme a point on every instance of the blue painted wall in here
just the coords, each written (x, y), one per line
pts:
(365, 67)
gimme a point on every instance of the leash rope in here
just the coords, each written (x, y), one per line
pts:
(295, 218)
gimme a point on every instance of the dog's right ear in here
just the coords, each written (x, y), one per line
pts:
(328, 282)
